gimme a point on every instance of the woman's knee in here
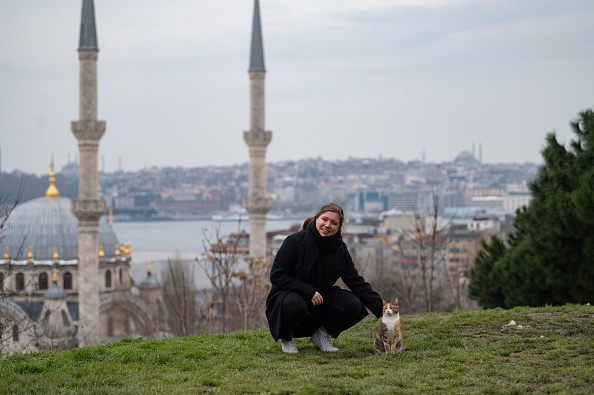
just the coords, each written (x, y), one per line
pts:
(347, 302)
(294, 305)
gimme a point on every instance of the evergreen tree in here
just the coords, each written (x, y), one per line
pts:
(550, 259)
(485, 285)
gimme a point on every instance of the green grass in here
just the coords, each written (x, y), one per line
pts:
(449, 353)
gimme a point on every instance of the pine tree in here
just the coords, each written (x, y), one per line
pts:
(550, 259)
(485, 285)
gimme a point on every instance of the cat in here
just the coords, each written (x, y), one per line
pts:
(388, 338)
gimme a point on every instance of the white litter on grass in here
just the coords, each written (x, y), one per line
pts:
(513, 323)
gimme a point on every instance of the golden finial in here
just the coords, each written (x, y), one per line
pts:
(127, 250)
(7, 254)
(110, 216)
(56, 255)
(55, 276)
(117, 251)
(101, 252)
(52, 191)
(149, 269)
(30, 254)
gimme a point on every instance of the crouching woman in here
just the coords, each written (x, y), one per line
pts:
(304, 300)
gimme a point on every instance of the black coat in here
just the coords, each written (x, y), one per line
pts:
(292, 271)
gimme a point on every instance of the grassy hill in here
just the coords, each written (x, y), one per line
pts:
(549, 351)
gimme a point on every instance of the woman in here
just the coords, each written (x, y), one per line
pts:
(304, 300)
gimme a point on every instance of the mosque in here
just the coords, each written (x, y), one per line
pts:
(65, 277)
(39, 273)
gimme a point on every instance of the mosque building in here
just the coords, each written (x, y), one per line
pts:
(65, 278)
(39, 272)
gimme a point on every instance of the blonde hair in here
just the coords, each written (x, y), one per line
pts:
(333, 207)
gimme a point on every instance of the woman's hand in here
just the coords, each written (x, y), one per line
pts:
(317, 299)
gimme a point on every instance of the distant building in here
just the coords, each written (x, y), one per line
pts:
(514, 200)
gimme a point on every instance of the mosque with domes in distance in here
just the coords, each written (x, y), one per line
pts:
(65, 278)
(39, 273)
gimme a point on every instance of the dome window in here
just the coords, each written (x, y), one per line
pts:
(108, 279)
(20, 282)
(67, 280)
(42, 281)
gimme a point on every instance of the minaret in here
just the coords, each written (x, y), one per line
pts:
(88, 208)
(257, 138)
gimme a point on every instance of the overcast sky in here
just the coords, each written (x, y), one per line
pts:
(366, 79)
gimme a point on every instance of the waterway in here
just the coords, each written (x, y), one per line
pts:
(158, 242)
(184, 236)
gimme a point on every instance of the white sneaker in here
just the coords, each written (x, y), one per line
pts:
(322, 340)
(289, 346)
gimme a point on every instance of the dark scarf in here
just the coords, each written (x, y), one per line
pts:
(317, 246)
(325, 243)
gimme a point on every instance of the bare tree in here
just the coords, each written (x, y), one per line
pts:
(180, 295)
(250, 290)
(239, 284)
(14, 326)
(406, 278)
(425, 246)
(7, 208)
(220, 265)
(208, 311)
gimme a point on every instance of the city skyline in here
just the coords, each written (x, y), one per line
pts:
(381, 78)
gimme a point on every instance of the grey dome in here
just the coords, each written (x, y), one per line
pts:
(150, 282)
(54, 292)
(48, 222)
(466, 157)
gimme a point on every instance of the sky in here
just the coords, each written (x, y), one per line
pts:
(403, 79)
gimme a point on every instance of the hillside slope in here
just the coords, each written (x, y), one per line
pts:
(549, 350)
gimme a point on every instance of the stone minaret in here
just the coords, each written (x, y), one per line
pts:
(257, 138)
(88, 208)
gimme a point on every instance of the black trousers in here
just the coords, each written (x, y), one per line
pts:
(340, 311)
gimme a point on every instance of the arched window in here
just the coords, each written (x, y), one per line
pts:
(1, 281)
(108, 279)
(121, 277)
(15, 333)
(20, 281)
(67, 280)
(42, 281)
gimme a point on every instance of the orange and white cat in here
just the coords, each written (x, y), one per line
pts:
(388, 338)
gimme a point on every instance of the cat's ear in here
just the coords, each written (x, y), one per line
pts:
(395, 300)
(384, 301)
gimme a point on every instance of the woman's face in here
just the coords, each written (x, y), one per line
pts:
(328, 223)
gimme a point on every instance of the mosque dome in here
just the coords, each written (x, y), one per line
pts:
(150, 282)
(40, 228)
(466, 157)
